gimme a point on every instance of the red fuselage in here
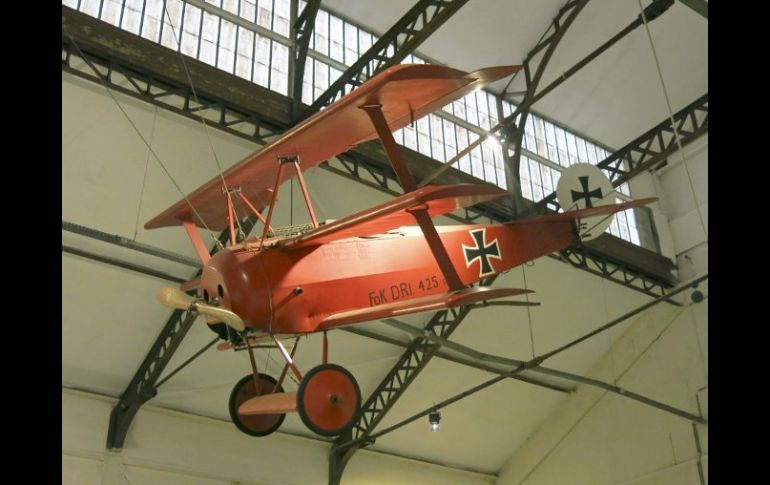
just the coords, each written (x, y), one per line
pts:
(291, 290)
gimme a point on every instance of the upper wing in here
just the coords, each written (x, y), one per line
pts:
(406, 93)
(437, 199)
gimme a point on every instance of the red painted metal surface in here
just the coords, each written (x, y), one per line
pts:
(328, 399)
(406, 93)
(394, 213)
(365, 272)
(283, 402)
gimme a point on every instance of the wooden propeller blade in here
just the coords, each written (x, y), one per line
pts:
(277, 403)
(174, 298)
(221, 314)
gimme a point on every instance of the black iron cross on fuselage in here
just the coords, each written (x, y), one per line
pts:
(586, 194)
(482, 252)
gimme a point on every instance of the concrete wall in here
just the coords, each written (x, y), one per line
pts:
(601, 438)
(169, 447)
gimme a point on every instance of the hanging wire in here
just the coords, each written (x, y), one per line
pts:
(178, 41)
(136, 129)
(671, 117)
(613, 370)
(144, 178)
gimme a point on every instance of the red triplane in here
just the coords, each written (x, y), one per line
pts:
(367, 266)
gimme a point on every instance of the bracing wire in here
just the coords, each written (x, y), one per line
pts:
(144, 140)
(529, 312)
(178, 41)
(144, 178)
(671, 117)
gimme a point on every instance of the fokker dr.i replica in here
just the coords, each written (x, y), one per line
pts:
(270, 287)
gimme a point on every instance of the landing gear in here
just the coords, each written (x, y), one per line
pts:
(245, 389)
(328, 400)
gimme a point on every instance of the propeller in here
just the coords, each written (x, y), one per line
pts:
(176, 298)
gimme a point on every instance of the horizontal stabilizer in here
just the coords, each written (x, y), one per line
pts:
(466, 296)
(587, 212)
(276, 403)
(405, 92)
(437, 199)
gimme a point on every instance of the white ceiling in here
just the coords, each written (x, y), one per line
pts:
(110, 317)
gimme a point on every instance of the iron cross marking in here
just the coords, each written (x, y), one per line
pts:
(586, 194)
(482, 252)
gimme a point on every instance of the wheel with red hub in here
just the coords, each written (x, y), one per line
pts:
(328, 400)
(245, 389)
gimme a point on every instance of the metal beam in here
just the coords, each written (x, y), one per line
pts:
(248, 111)
(468, 362)
(121, 264)
(649, 149)
(128, 243)
(700, 6)
(143, 385)
(302, 30)
(399, 41)
(393, 386)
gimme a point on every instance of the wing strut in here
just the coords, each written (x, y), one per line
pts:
(407, 183)
(282, 161)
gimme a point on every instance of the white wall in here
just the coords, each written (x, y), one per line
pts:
(601, 438)
(169, 447)
(687, 211)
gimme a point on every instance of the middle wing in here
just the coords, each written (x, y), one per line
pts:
(437, 199)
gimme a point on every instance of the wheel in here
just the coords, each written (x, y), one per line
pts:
(259, 425)
(328, 400)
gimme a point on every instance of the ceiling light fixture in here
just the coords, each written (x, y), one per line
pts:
(434, 417)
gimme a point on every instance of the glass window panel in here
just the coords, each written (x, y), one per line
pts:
(249, 10)
(459, 108)
(265, 14)
(364, 41)
(169, 34)
(321, 79)
(398, 135)
(190, 31)
(280, 68)
(550, 140)
(243, 65)
(351, 44)
(307, 84)
(462, 142)
(334, 74)
(537, 182)
(571, 148)
(152, 15)
(423, 136)
(581, 150)
(526, 181)
(132, 16)
(336, 51)
(321, 32)
(111, 12)
(227, 35)
(90, 7)
(410, 137)
(437, 138)
(539, 131)
(230, 5)
(281, 17)
(471, 114)
(591, 152)
(262, 58)
(70, 3)
(561, 146)
(216, 3)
